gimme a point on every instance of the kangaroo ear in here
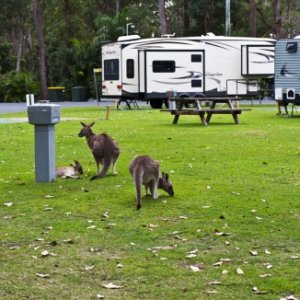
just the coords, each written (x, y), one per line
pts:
(76, 162)
(92, 124)
(84, 125)
(165, 176)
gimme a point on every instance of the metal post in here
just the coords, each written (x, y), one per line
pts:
(127, 27)
(44, 153)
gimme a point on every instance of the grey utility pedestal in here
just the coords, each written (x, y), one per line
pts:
(44, 117)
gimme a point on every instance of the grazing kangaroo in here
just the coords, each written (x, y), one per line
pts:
(105, 150)
(145, 171)
(71, 171)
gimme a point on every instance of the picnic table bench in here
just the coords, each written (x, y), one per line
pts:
(181, 106)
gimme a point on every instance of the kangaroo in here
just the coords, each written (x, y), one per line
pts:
(145, 171)
(105, 150)
(73, 171)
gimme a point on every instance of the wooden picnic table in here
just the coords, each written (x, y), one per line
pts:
(182, 106)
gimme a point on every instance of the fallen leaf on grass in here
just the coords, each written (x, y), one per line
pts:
(214, 282)
(291, 297)
(14, 247)
(183, 217)
(49, 196)
(264, 275)
(235, 193)
(68, 241)
(218, 233)
(99, 296)
(294, 257)
(112, 286)
(47, 253)
(268, 265)
(8, 204)
(105, 215)
(267, 252)
(254, 252)
(212, 292)
(89, 268)
(91, 227)
(119, 266)
(239, 271)
(153, 226)
(257, 291)
(225, 272)
(48, 209)
(191, 256)
(195, 268)
(41, 275)
(110, 225)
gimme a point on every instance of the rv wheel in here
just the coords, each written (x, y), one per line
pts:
(157, 104)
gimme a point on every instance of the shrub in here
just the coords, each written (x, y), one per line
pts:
(15, 85)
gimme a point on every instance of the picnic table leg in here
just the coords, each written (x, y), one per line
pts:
(203, 120)
(236, 118)
(209, 114)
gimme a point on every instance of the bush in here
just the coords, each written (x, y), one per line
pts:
(15, 85)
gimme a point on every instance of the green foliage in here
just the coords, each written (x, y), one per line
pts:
(15, 85)
(236, 190)
(6, 60)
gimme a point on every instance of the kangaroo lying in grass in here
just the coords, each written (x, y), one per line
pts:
(145, 171)
(105, 150)
(73, 171)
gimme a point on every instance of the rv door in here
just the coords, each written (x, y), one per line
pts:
(111, 70)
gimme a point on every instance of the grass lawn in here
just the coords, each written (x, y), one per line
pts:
(232, 230)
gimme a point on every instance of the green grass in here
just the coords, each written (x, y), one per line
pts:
(242, 180)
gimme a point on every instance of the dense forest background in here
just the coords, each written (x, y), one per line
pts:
(47, 43)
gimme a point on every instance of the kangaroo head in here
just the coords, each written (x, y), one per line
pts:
(86, 130)
(77, 167)
(165, 184)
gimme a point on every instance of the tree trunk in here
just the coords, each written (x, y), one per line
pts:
(186, 17)
(117, 7)
(162, 17)
(277, 19)
(41, 42)
(67, 13)
(252, 17)
(20, 50)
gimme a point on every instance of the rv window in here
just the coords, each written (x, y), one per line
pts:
(130, 68)
(111, 69)
(291, 47)
(196, 58)
(196, 83)
(163, 66)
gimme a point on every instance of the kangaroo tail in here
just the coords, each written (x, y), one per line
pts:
(106, 165)
(138, 189)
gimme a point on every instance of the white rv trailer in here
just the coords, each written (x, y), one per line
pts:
(287, 71)
(148, 69)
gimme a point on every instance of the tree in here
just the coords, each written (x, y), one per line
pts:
(162, 17)
(278, 19)
(37, 16)
(252, 17)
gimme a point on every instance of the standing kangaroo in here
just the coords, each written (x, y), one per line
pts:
(105, 150)
(145, 171)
